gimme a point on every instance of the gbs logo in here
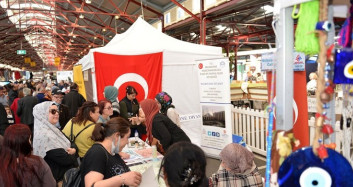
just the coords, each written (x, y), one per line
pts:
(210, 133)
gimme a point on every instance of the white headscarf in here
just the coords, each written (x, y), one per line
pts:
(46, 135)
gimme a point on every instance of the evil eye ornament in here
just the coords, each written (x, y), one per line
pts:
(343, 66)
(304, 168)
(348, 70)
(315, 177)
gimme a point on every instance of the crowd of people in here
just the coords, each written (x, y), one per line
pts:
(46, 130)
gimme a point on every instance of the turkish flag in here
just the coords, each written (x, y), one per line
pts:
(143, 72)
(300, 107)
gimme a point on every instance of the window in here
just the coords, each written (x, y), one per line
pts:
(180, 13)
(167, 18)
(195, 6)
(210, 2)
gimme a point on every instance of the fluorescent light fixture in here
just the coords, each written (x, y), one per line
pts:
(88, 1)
(117, 17)
(104, 30)
(268, 9)
(220, 27)
(81, 16)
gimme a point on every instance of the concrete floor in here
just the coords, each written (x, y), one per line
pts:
(213, 165)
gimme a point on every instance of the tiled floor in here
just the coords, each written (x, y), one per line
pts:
(213, 165)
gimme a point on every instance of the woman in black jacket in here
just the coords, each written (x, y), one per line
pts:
(159, 127)
(49, 142)
(129, 110)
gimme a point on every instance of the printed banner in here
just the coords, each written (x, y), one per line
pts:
(215, 102)
(214, 81)
(216, 129)
(78, 79)
(143, 72)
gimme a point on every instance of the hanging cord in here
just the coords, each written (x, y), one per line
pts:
(305, 38)
(321, 78)
(293, 12)
(270, 120)
(142, 14)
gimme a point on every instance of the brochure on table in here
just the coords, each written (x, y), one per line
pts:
(214, 83)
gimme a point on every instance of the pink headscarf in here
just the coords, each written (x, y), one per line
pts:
(237, 158)
(150, 108)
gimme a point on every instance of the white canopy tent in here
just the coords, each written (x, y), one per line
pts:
(180, 74)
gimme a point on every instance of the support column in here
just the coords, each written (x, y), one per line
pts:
(284, 70)
(202, 24)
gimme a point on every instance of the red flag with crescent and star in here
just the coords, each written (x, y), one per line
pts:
(143, 72)
(300, 107)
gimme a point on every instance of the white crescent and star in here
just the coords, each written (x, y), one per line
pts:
(295, 108)
(132, 77)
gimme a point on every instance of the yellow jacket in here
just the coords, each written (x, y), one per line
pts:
(83, 141)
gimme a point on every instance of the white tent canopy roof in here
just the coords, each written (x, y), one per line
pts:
(142, 38)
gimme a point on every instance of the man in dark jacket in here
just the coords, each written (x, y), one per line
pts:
(3, 120)
(73, 100)
(64, 113)
(13, 94)
(25, 108)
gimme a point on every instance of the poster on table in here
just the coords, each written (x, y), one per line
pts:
(214, 87)
(64, 75)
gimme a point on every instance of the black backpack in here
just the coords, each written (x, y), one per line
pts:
(72, 178)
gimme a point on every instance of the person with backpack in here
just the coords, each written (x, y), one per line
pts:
(79, 129)
(102, 165)
(49, 142)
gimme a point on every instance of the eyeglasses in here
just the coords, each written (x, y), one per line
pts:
(109, 108)
(54, 111)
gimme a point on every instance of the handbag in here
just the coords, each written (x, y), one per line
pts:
(72, 178)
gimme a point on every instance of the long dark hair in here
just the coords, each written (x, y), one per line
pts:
(131, 90)
(184, 165)
(83, 114)
(117, 124)
(15, 167)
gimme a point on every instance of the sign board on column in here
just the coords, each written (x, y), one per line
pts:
(268, 61)
(214, 87)
(64, 75)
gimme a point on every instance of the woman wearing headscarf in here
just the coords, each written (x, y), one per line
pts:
(237, 168)
(160, 127)
(18, 166)
(167, 108)
(111, 94)
(49, 142)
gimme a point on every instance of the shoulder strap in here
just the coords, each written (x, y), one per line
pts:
(83, 129)
(72, 137)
